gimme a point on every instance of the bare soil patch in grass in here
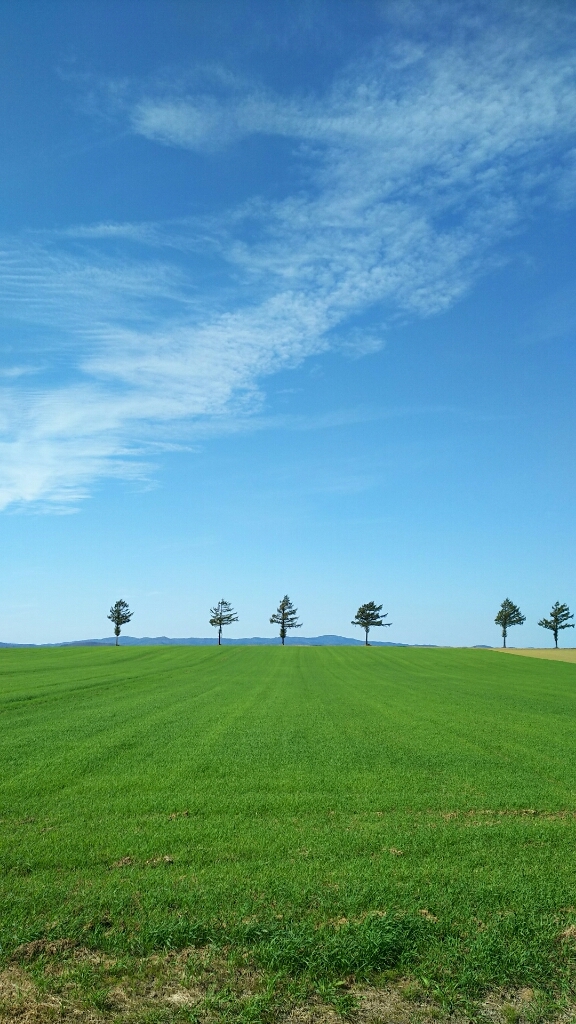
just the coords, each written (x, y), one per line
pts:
(202, 986)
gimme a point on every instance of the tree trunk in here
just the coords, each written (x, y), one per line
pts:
(283, 638)
(366, 641)
(556, 640)
(219, 636)
(116, 641)
(503, 639)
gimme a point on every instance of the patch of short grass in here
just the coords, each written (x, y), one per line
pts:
(332, 814)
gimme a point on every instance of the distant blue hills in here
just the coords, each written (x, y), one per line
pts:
(211, 641)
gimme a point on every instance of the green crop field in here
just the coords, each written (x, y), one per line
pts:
(328, 816)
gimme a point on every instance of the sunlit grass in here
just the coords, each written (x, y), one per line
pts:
(336, 811)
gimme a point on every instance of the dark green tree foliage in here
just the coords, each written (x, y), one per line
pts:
(509, 615)
(120, 614)
(222, 615)
(286, 616)
(369, 615)
(558, 620)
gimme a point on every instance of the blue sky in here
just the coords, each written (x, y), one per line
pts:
(287, 301)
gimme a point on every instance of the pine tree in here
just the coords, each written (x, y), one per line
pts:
(558, 620)
(509, 615)
(222, 615)
(368, 615)
(120, 614)
(286, 616)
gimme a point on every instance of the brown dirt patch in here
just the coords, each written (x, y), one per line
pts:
(491, 816)
(14, 984)
(395, 1004)
(124, 862)
(185, 997)
(42, 947)
(164, 987)
(314, 1012)
(21, 1001)
(427, 915)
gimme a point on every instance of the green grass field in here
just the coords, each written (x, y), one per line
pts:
(326, 812)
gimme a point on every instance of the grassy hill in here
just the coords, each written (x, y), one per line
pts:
(326, 812)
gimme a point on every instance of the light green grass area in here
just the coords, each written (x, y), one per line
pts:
(333, 811)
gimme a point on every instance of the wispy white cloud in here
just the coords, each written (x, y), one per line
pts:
(418, 164)
(13, 372)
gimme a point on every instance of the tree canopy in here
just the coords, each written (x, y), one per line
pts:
(286, 616)
(559, 619)
(120, 614)
(509, 615)
(369, 615)
(222, 615)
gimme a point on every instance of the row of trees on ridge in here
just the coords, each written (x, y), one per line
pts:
(510, 615)
(285, 616)
(367, 617)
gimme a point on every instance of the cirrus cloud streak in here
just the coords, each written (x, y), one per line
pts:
(420, 166)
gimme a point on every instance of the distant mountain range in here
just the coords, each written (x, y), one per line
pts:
(211, 641)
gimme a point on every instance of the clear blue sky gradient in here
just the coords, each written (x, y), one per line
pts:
(288, 306)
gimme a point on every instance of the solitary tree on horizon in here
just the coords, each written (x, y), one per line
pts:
(558, 620)
(286, 616)
(368, 615)
(222, 615)
(509, 615)
(120, 614)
